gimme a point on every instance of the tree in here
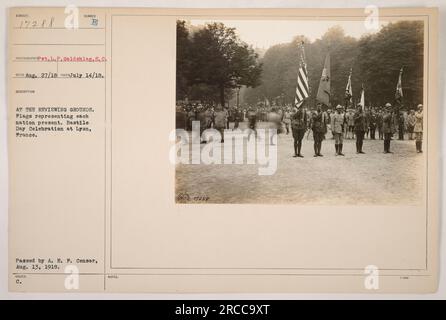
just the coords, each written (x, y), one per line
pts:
(220, 60)
(381, 57)
(182, 60)
(375, 60)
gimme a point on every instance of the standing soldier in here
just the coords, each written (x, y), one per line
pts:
(387, 127)
(372, 125)
(418, 128)
(220, 118)
(337, 124)
(298, 127)
(401, 125)
(209, 116)
(367, 115)
(360, 128)
(202, 117)
(411, 120)
(318, 127)
(237, 117)
(379, 123)
(252, 117)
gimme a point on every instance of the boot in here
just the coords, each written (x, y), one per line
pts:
(340, 150)
(360, 147)
(319, 149)
(299, 147)
(421, 145)
(295, 149)
(337, 149)
(315, 149)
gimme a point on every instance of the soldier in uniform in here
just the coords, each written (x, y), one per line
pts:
(418, 128)
(318, 127)
(337, 124)
(252, 118)
(379, 124)
(237, 117)
(202, 117)
(401, 125)
(368, 115)
(209, 114)
(372, 125)
(360, 128)
(387, 127)
(298, 128)
(220, 118)
(411, 120)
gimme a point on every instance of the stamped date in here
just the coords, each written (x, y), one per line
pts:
(186, 197)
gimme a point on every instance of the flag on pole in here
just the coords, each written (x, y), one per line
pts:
(323, 93)
(399, 90)
(302, 88)
(362, 101)
(348, 90)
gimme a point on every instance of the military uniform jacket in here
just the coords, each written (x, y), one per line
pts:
(337, 122)
(299, 120)
(318, 124)
(360, 121)
(411, 120)
(418, 122)
(387, 123)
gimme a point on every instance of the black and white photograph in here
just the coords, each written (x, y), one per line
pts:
(307, 112)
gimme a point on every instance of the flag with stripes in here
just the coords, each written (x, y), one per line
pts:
(302, 89)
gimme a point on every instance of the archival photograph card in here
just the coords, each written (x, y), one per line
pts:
(223, 150)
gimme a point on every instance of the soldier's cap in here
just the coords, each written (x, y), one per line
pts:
(420, 106)
(388, 105)
(338, 107)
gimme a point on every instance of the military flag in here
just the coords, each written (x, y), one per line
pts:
(348, 91)
(323, 92)
(399, 90)
(362, 99)
(302, 88)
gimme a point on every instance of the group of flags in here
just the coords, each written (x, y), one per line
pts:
(323, 93)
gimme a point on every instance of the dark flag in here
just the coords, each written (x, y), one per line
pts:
(399, 90)
(323, 93)
(349, 91)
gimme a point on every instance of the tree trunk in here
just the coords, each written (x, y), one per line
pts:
(222, 96)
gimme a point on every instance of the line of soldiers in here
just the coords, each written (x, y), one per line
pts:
(342, 123)
(357, 124)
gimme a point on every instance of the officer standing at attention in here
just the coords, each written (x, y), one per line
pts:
(387, 127)
(418, 128)
(298, 127)
(318, 127)
(360, 128)
(337, 123)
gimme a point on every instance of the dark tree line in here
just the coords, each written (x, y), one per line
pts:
(375, 60)
(212, 61)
